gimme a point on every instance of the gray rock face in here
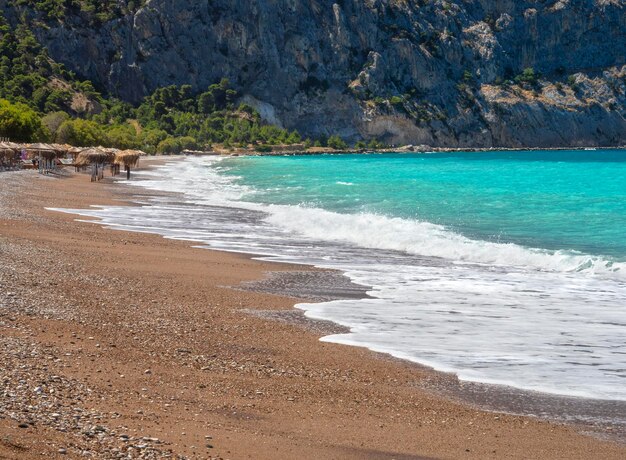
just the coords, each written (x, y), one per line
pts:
(416, 71)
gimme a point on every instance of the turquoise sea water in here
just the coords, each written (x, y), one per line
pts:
(559, 200)
(502, 267)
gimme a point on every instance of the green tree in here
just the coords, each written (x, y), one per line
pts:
(375, 144)
(122, 136)
(175, 145)
(53, 121)
(396, 101)
(206, 103)
(528, 76)
(151, 138)
(81, 132)
(294, 138)
(18, 122)
(336, 143)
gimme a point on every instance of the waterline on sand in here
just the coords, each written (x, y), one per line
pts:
(544, 320)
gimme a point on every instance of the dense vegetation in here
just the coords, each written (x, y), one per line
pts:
(29, 76)
(41, 100)
(19, 120)
(169, 121)
(97, 11)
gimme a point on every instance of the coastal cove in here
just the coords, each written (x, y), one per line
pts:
(347, 214)
(214, 215)
(293, 230)
(121, 302)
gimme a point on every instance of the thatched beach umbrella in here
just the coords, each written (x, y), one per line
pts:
(42, 150)
(62, 149)
(12, 145)
(8, 155)
(46, 155)
(75, 151)
(19, 148)
(110, 157)
(92, 156)
(95, 157)
(110, 153)
(128, 158)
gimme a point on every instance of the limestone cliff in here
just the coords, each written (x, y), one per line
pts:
(431, 72)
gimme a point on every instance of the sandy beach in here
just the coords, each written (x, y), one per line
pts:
(127, 345)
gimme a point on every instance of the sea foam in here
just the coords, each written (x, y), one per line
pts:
(368, 230)
(531, 318)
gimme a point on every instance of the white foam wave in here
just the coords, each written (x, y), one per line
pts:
(491, 312)
(426, 239)
(200, 179)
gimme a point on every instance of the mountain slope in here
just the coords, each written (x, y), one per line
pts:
(446, 73)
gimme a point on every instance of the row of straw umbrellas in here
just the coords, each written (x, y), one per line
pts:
(98, 158)
(9, 154)
(46, 155)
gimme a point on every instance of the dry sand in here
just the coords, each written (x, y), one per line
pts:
(120, 345)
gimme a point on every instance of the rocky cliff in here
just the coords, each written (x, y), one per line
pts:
(442, 73)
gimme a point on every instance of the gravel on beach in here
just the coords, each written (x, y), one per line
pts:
(127, 345)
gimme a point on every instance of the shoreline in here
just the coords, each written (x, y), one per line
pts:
(335, 289)
(374, 391)
(325, 284)
(597, 417)
(405, 149)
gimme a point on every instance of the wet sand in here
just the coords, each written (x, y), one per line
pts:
(116, 343)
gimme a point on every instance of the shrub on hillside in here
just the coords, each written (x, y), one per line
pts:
(336, 143)
(18, 122)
